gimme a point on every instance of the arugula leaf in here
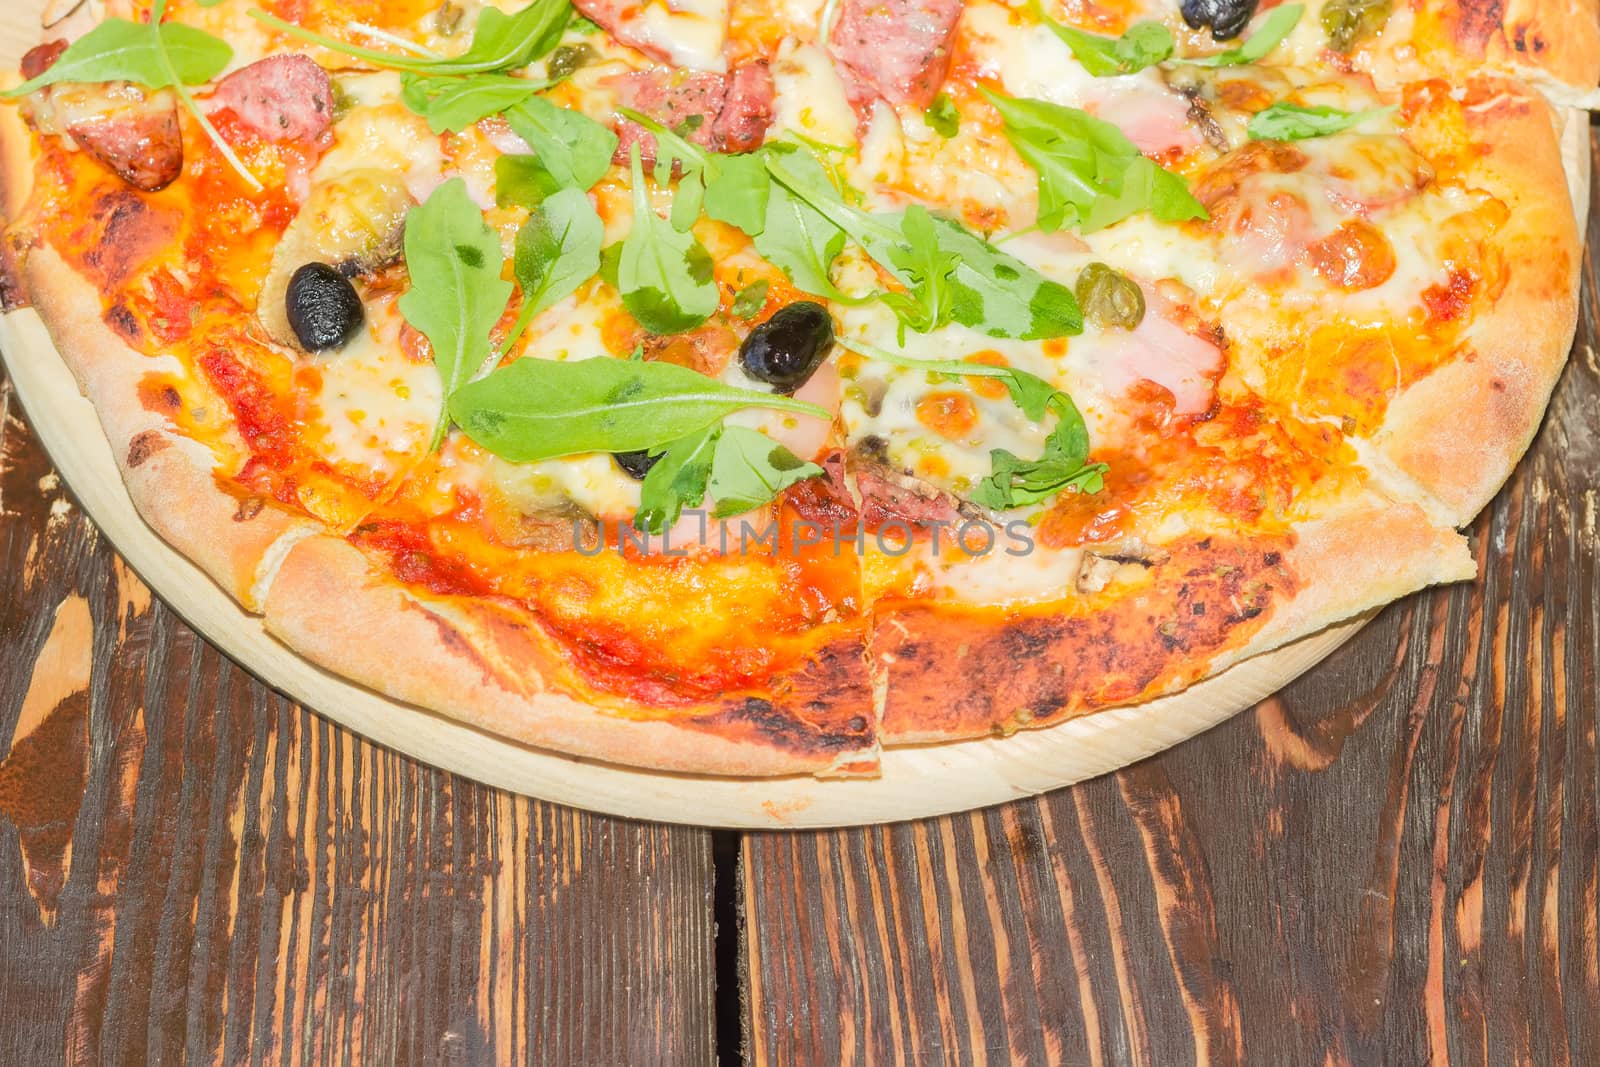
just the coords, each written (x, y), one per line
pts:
(532, 409)
(664, 276)
(989, 290)
(119, 50)
(1143, 45)
(748, 302)
(730, 188)
(678, 480)
(455, 103)
(926, 268)
(523, 181)
(750, 469)
(456, 294)
(1090, 174)
(999, 295)
(1292, 122)
(942, 117)
(800, 241)
(574, 150)
(1014, 482)
(558, 249)
(1274, 28)
(499, 41)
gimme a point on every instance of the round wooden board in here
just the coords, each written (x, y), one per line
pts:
(915, 782)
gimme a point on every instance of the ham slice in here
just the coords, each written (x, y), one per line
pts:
(1161, 351)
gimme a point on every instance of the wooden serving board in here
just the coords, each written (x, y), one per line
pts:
(915, 782)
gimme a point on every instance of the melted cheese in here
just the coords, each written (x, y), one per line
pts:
(690, 33)
(376, 409)
(810, 97)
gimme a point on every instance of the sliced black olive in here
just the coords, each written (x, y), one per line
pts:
(636, 464)
(1227, 18)
(324, 310)
(787, 349)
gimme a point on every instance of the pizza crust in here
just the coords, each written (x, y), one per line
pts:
(170, 478)
(489, 666)
(1516, 347)
(1541, 40)
(1375, 552)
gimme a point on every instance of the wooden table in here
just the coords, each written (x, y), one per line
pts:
(1395, 860)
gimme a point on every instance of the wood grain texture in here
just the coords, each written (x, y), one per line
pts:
(193, 869)
(1393, 861)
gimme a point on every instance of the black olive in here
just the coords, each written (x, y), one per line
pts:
(1225, 17)
(324, 310)
(636, 464)
(787, 349)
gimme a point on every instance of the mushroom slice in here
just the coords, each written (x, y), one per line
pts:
(353, 222)
(1101, 567)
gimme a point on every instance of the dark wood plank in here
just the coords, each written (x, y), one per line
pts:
(1392, 861)
(194, 869)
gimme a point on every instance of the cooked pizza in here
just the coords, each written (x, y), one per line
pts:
(741, 388)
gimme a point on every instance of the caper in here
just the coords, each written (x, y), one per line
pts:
(1347, 22)
(565, 61)
(1109, 298)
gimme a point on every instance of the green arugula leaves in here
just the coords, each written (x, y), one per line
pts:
(533, 409)
(1090, 174)
(558, 249)
(154, 55)
(741, 468)
(499, 41)
(926, 266)
(983, 288)
(1274, 28)
(1143, 45)
(571, 150)
(678, 480)
(942, 116)
(798, 239)
(455, 103)
(663, 274)
(456, 294)
(750, 469)
(731, 188)
(1014, 482)
(748, 302)
(1292, 122)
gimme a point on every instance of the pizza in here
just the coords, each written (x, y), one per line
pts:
(741, 388)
